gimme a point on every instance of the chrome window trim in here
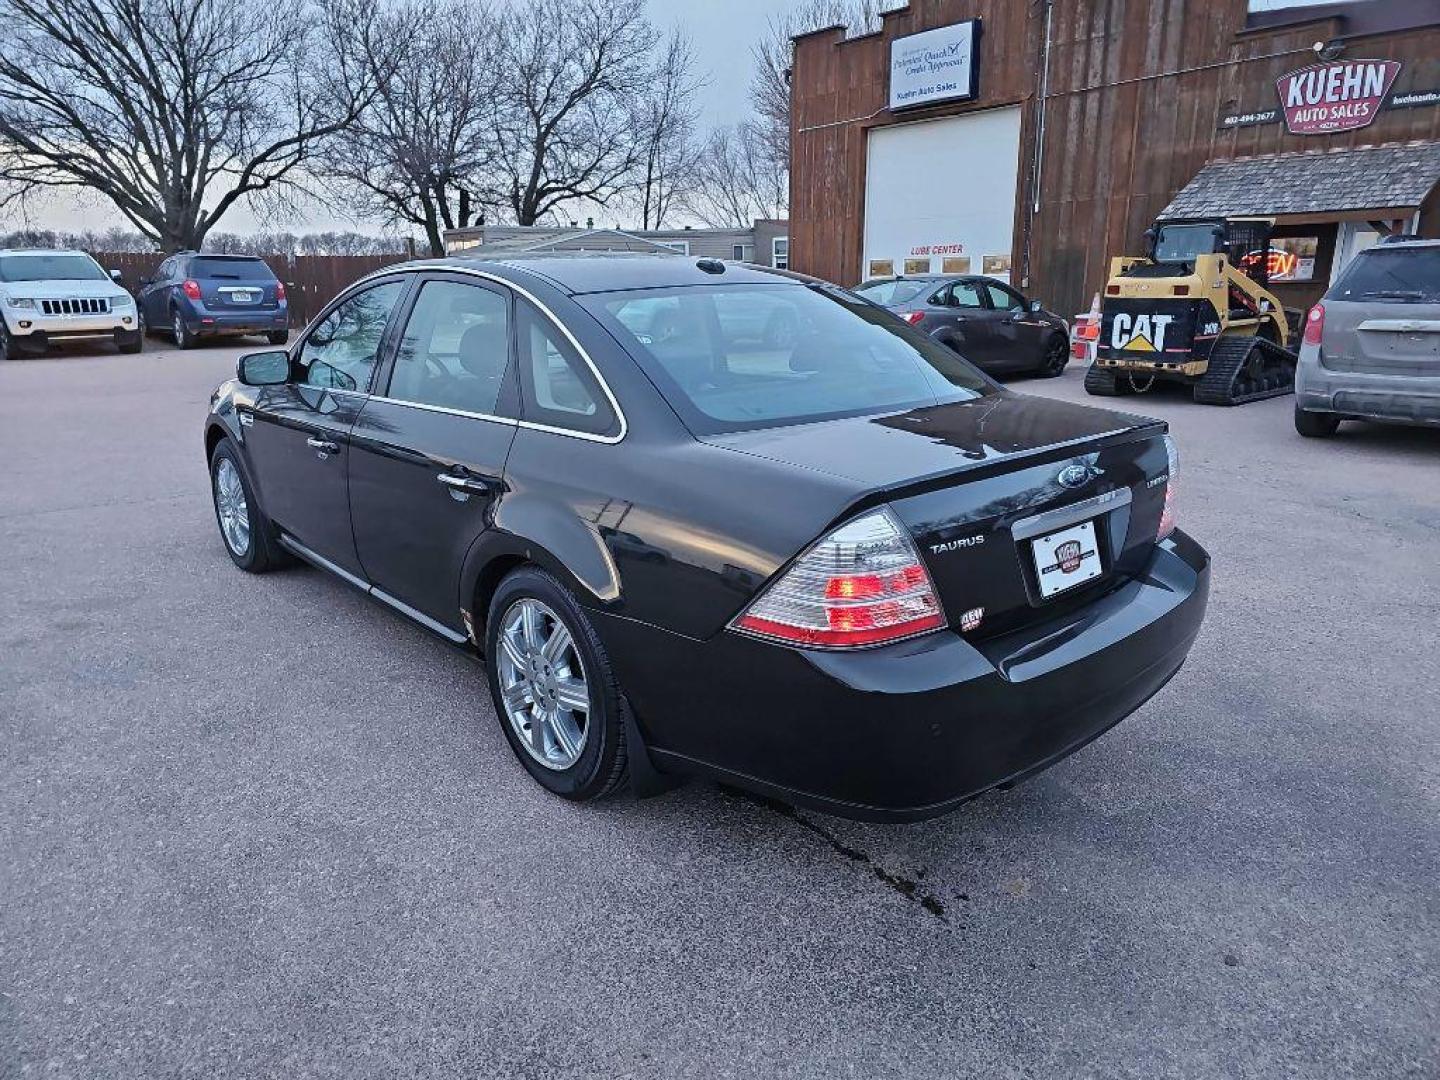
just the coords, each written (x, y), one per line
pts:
(1050, 520)
(554, 320)
(508, 421)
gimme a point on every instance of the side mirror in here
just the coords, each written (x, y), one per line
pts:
(144, 282)
(1035, 307)
(116, 276)
(268, 368)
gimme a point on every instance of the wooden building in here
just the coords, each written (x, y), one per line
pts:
(1033, 140)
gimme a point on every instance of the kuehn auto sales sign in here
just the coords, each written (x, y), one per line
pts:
(1342, 96)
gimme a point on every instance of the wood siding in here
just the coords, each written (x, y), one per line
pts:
(1136, 91)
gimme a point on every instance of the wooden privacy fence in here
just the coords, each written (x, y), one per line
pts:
(311, 281)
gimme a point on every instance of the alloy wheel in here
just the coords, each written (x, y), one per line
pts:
(178, 329)
(231, 507)
(542, 684)
(1057, 357)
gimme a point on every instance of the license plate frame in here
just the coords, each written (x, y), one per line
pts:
(1059, 567)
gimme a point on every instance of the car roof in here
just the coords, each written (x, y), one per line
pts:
(577, 272)
(1400, 245)
(43, 251)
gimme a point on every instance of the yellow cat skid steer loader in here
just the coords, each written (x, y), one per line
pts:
(1196, 309)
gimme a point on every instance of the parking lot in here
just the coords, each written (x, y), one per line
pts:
(263, 826)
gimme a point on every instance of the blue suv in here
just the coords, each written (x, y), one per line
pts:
(193, 296)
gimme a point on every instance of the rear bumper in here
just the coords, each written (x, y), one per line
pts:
(1411, 399)
(266, 321)
(909, 731)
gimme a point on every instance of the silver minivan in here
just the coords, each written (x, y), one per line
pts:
(1371, 346)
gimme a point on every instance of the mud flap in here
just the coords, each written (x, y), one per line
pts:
(646, 780)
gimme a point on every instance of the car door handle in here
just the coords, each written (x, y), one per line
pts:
(325, 446)
(471, 485)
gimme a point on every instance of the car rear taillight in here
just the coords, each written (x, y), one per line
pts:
(1172, 469)
(279, 291)
(1315, 325)
(912, 317)
(861, 584)
(191, 288)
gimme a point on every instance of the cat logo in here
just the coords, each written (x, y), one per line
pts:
(1139, 333)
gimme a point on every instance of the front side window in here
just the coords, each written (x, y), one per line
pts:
(557, 386)
(340, 352)
(1002, 299)
(455, 349)
(837, 356)
(50, 268)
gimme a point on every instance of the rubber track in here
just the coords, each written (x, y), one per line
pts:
(1104, 383)
(1227, 358)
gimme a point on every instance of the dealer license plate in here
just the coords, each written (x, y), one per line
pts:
(1066, 558)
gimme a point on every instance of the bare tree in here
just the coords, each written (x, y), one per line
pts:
(770, 82)
(736, 179)
(175, 110)
(417, 153)
(564, 118)
(665, 126)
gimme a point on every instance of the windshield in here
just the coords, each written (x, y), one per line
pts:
(50, 268)
(892, 291)
(1182, 243)
(730, 358)
(1399, 274)
(229, 268)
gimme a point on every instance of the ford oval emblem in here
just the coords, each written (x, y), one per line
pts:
(1074, 476)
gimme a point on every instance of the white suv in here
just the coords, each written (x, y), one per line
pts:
(50, 296)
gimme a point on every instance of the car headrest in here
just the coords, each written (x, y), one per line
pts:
(483, 348)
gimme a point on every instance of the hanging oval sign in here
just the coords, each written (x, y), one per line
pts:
(1341, 96)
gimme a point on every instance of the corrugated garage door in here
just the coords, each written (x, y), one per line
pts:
(940, 195)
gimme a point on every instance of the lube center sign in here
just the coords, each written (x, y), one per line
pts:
(1341, 96)
(935, 65)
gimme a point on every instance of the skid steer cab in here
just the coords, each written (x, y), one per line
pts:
(1195, 309)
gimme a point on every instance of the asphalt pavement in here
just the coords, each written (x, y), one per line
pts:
(264, 827)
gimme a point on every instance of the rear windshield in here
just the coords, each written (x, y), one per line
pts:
(50, 267)
(1397, 275)
(730, 358)
(229, 267)
(892, 292)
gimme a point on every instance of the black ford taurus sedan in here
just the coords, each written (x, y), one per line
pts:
(837, 565)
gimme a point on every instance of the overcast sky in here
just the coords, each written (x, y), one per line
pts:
(721, 31)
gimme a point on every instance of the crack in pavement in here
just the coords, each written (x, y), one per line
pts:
(909, 888)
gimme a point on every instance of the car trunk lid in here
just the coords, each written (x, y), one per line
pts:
(998, 493)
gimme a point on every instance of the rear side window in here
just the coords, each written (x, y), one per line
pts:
(229, 268)
(557, 386)
(965, 294)
(730, 358)
(1392, 275)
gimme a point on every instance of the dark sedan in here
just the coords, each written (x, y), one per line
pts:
(843, 567)
(984, 320)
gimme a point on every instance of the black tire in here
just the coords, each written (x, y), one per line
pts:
(5, 347)
(184, 339)
(1057, 355)
(1315, 425)
(262, 552)
(131, 343)
(278, 337)
(601, 767)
